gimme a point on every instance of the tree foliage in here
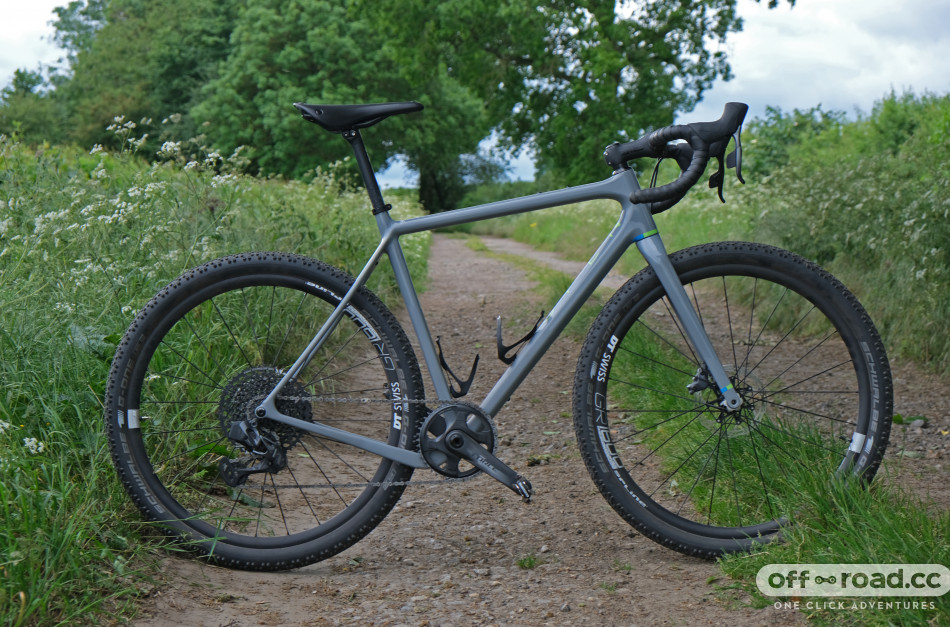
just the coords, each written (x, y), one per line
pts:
(565, 77)
(560, 77)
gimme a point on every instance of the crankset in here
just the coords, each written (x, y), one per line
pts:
(458, 440)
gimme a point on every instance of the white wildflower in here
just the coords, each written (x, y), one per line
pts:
(96, 149)
(222, 179)
(5, 426)
(154, 188)
(34, 445)
(137, 143)
(170, 149)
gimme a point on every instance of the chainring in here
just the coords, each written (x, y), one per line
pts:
(456, 416)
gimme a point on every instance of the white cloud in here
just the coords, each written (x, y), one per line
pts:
(841, 54)
(25, 36)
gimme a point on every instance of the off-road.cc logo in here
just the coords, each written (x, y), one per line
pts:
(853, 580)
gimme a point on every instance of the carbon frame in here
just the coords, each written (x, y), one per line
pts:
(635, 225)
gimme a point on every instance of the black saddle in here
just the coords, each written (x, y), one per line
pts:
(340, 118)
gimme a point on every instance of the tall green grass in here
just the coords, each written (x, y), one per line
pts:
(85, 239)
(870, 200)
(845, 523)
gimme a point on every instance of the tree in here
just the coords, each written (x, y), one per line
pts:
(26, 109)
(568, 77)
(137, 58)
(325, 51)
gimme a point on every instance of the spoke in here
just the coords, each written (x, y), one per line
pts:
(749, 343)
(784, 337)
(735, 484)
(290, 327)
(662, 422)
(805, 411)
(315, 381)
(702, 471)
(666, 441)
(191, 430)
(798, 437)
(280, 506)
(690, 357)
(800, 359)
(334, 356)
(657, 362)
(683, 463)
(676, 323)
(270, 319)
(214, 383)
(805, 380)
(207, 350)
(209, 445)
(302, 493)
(251, 326)
(758, 464)
(322, 472)
(374, 389)
(153, 402)
(732, 338)
(260, 511)
(237, 344)
(660, 392)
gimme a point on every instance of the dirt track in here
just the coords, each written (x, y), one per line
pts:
(449, 555)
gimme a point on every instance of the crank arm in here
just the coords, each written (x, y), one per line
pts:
(475, 454)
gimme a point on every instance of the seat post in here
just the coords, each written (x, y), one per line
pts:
(366, 171)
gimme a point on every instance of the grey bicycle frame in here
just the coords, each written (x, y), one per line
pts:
(636, 225)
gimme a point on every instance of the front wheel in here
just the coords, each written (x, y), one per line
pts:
(198, 360)
(800, 350)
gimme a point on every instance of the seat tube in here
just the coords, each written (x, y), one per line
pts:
(404, 280)
(654, 252)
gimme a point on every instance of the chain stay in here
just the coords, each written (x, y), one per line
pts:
(368, 484)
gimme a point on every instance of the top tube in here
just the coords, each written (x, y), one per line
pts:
(617, 187)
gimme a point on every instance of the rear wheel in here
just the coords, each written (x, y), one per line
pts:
(799, 349)
(199, 359)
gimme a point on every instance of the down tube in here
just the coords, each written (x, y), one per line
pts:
(569, 304)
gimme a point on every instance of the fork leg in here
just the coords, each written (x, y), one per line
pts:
(653, 250)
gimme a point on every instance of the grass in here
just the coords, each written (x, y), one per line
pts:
(528, 562)
(844, 523)
(85, 239)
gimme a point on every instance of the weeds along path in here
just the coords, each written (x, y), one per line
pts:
(471, 553)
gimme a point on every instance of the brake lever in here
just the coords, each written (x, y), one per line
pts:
(718, 178)
(732, 160)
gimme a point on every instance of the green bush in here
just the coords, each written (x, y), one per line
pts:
(870, 202)
(85, 240)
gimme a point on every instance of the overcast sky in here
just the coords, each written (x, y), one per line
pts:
(841, 54)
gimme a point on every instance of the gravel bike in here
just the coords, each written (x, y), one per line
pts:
(267, 410)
